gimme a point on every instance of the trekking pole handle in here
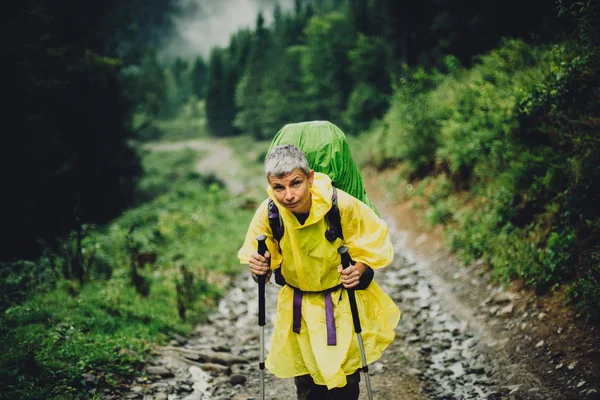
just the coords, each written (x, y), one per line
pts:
(346, 261)
(262, 279)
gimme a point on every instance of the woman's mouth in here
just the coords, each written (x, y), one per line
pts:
(292, 205)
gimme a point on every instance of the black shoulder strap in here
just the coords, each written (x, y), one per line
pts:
(275, 221)
(334, 220)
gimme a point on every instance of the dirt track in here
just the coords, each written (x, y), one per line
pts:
(461, 336)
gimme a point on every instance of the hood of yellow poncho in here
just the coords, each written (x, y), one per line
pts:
(321, 192)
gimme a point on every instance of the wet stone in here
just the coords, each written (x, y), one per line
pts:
(160, 371)
(237, 379)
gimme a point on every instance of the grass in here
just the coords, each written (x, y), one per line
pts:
(105, 327)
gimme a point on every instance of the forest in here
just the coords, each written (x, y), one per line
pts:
(490, 110)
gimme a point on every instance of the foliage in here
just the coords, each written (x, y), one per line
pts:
(251, 86)
(326, 65)
(410, 129)
(518, 131)
(370, 61)
(68, 124)
(53, 330)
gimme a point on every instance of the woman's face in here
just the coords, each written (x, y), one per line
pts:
(293, 190)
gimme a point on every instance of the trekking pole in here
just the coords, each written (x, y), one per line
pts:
(346, 260)
(262, 248)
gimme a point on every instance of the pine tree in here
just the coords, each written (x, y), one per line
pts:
(214, 95)
(199, 78)
(250, 87)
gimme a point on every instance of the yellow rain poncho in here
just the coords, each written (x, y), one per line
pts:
(309, 262)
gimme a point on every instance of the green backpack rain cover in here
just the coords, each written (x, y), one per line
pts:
(327, 152)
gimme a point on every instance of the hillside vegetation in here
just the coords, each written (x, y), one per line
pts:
(491, 109)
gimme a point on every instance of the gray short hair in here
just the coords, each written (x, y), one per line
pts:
(285, 158)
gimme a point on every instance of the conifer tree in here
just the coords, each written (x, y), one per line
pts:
(327, 67)
(250, 87)
(199, 78)
(214, 94)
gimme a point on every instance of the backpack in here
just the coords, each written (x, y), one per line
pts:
(327, 151)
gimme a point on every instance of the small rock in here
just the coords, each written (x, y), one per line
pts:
(180, 339)
(507, 310)
(559, 366)
(215, 368)
(572, 365)
(161, 396)
(541, 316)
(377, 368)
(457, 369)
(185, 388)
(160, 371)
(412, 339)
(580, 384)
(477, 369)
(559, 331)
(89, 378)
(426, 348)
(237, 379)
(513, 389)
(222, 348)
(504, 297)
(539, 344)
(216, 357)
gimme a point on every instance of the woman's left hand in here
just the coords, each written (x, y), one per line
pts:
(352, 274)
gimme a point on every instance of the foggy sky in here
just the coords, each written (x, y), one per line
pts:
(208, 23)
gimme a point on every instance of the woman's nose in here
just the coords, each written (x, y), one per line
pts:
(289, 195)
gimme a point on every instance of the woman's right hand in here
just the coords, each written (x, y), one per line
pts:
(258, 264)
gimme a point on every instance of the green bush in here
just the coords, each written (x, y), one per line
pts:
(410, 129)
(517, 129)
(53, 330)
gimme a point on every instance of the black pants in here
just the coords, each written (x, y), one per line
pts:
(307, 389)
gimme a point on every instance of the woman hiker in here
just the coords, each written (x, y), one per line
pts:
(313, 339)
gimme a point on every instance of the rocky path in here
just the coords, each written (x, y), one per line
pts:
(436, 355)
(456, 338)
(218, 161)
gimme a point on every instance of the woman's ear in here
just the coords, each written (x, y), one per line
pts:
(311, 177)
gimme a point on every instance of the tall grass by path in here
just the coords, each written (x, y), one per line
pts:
(105, 327)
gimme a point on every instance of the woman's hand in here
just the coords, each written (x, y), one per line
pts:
(352, 274)
(259, 265)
